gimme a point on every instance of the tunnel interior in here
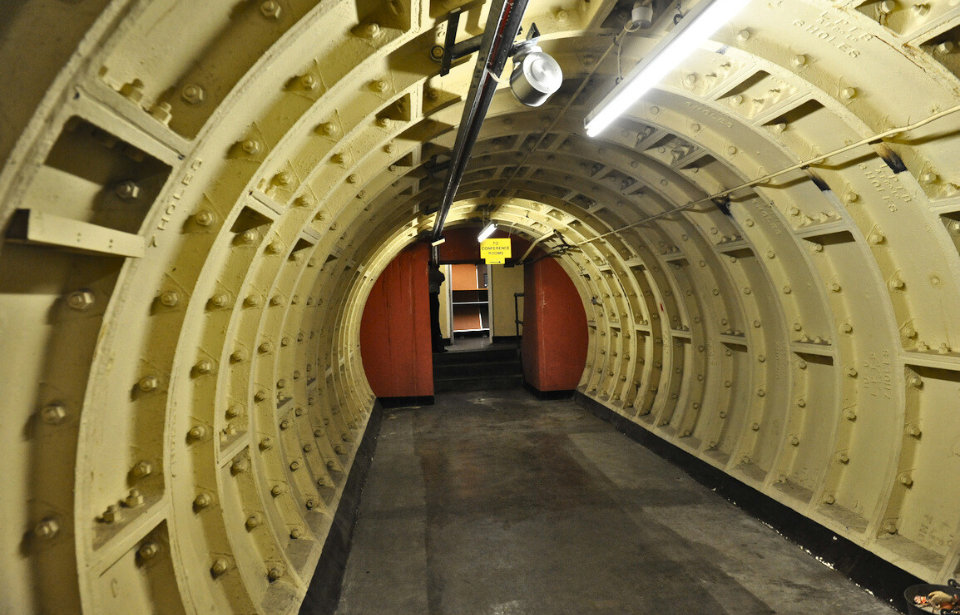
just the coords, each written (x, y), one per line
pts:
(197, 199)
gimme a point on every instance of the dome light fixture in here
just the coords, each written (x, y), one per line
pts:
(695, 27)
(536, 75)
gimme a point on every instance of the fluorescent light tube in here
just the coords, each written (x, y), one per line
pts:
(487, 231)
(697, 26)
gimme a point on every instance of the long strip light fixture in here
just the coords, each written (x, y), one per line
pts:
(487, 231)
(696, 26)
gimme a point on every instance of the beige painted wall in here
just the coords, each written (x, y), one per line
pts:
(506, 281)
(445, 303)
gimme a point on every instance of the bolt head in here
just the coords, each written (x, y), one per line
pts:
(53, 414)
(274, 573)
(148, 550)
(219, 567)
(142, 469)
(295, 533)
(80, 300)
(47, 529)
(202, 501)
(240, 465)
(251, 146)
(127, 190)
(170, 298)
(148, 383)
(271, 10)
(253, 521)
(197, 432)
(193, 94)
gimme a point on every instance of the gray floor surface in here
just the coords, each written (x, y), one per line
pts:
(496, 503)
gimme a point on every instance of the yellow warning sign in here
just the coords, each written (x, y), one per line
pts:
(495, 251)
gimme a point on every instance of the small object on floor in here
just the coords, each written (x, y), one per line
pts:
(937, 602)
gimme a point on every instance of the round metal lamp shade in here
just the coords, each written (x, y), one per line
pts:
(535, 77)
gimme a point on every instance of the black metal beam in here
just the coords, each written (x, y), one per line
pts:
(503, 23)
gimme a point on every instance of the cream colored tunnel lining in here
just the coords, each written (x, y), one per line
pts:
(196, 409)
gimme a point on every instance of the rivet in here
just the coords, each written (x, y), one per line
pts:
(727, 383)
(817, 247)
(298, 411)
(285, 424)
(843, 458)
(835, 287)
(260, 395)
(295, 533)
(851, 372)
(799, 60)
(896, 284)
(743, 36)
(890, 527)
(197, 432)
(846, 327)
(787, 290)
(265, 347)
(848, 93)
(829, 499)
(202, 501)
(906, 481)
(757, 323)
(276, 300)
(317, 433)
(253, 521)
(204, 367)
(801, 402)
(761, 358)
(310, 503)
(274, 573)
(794, 440)
(850, 415)
(755, 427)
(761, 393)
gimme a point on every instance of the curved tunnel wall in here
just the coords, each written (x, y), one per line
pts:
(212, 189)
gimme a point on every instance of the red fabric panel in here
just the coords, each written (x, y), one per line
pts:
(554, 328)
(395, 329)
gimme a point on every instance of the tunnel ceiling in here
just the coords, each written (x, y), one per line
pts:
(198, 196)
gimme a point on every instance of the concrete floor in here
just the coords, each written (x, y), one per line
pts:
(498, 504)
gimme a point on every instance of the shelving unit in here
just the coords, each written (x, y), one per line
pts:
(470, 299)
